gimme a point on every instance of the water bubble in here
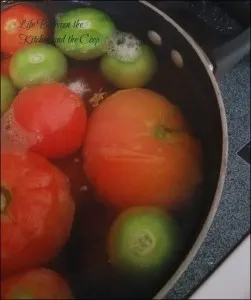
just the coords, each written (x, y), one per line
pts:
(76, 160)
(84, 188)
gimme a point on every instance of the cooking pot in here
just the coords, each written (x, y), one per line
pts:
(186, 77)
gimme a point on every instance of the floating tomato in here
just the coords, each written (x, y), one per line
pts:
(36, 211)
(37, 64)
(21, 26)
(128, 63)
(138, 151)
(35, 284)
(53, 116)
(81, 33)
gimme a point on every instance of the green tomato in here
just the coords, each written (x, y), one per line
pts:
(81, 33)
(37, 64)
(8, 92)
(141, 241)
(128, 63)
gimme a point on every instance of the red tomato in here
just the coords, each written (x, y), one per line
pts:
(21, 26)
(5, 62)
(53, 113)
(35, 284)
(36, 211)
(88, 82)
(138, 151)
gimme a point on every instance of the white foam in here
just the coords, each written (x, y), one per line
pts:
(124, 47)
(13, 136)
(36, 58)
(58, 16)
(79, 87)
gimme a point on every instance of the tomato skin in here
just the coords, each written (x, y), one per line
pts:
(38, 219)
(88, 81)
(37, 283)
(19, 15)
(5, 63)
(56, 114)
(126, 161)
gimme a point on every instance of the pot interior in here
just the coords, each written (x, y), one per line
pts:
(83, 261)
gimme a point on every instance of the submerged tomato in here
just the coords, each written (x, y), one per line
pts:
(138, 151)
(36, 211)
(35, 284)
(142, 241)
(21, 26)
(54, 117)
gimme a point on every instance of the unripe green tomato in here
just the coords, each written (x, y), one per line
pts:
(128, 63)
(141, 241)
(81, 33)
(42, 63)
(8, 93)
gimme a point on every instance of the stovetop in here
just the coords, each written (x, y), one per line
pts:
(232, 221)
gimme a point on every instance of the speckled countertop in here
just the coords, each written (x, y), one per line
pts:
(232, 220)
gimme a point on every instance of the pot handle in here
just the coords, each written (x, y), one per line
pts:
(223, 52)
(230, 53)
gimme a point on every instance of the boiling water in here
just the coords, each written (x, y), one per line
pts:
(83, 262)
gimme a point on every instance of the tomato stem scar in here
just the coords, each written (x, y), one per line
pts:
(143, 242)
(97, 98)
(5, 199)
